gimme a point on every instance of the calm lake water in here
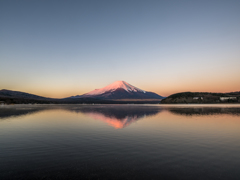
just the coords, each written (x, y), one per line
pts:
(120, 142)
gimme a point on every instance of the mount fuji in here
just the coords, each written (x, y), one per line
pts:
(120, 90)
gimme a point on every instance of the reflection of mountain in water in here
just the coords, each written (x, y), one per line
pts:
(112, 121)
(189, 111)
(118, 116)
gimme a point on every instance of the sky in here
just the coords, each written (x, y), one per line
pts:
(64, 48)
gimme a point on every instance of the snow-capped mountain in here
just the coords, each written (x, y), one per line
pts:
(114, 86)
(120, 90)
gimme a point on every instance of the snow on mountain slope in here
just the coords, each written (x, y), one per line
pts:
(112, 87)
(119, 90)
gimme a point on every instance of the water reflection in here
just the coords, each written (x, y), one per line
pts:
(15, 111)
(118, 116)
(191, 111)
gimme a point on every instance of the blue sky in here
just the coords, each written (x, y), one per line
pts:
(63, 48)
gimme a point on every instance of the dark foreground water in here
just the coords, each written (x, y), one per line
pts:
(119, 142)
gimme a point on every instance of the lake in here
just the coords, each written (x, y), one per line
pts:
(120, 142)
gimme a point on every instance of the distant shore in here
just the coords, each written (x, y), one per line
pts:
(202, 98)
(16, 97)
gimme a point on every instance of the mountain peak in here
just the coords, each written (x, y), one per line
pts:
(112, 87)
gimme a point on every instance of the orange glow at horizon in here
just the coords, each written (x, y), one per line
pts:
(163, 88)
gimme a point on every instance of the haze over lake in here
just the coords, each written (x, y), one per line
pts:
(119, 142)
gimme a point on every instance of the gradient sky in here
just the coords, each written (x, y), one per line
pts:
(64, 48)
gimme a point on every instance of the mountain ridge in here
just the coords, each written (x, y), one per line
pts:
(14, 94)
